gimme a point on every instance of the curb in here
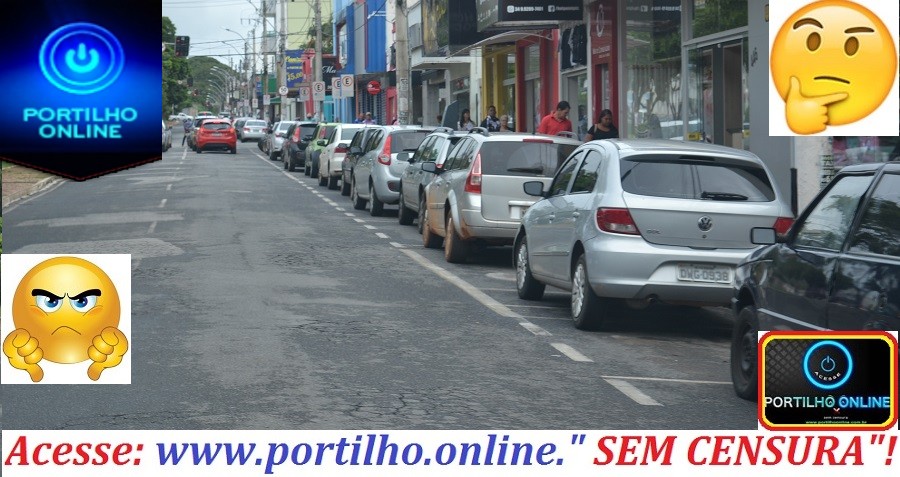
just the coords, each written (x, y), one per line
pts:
(33, 189)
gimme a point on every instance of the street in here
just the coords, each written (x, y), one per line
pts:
(264, 301)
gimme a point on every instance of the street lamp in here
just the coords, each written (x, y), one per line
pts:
(250, 69)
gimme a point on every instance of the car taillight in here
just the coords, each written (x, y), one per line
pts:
(385, 156)
(246, 129)
(279, 134)
(341, 149)
(473, 180)
(782, 225)
(617, 221)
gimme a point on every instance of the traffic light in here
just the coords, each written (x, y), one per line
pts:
(182, 46)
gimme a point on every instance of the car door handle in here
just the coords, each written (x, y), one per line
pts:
(575, 215)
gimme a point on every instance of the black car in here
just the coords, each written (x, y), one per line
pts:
(296, 139)
(359, 145)
(838, 268)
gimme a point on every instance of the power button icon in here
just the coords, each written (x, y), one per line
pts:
(81, 58)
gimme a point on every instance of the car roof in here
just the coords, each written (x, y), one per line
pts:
(892, 166)
(636, 146)
(483, 135)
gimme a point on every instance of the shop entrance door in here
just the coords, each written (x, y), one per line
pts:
(718, 108)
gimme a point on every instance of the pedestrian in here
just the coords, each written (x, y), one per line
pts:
(440, 118)
(395, 121)
(491, 122)
(187, 130)
(504, 123)
(557, 121)
(368, 119)
(465, 121)
(604, 129)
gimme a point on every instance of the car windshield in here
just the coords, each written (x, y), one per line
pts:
(256, 124)
(523, 158)
(703, 179)
(403, 140)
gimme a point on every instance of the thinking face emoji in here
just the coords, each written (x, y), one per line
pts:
(833, 62)
(65, 310)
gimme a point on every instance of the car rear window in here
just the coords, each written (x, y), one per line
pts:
(216, 126)
(258, 124)
(694, 179)
(283, 126)
(307, 130)
(403, 140)
(347, 133)
(523, 158)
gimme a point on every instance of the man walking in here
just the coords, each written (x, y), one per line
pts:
(491, 122)
(187, 129)
(556, 121)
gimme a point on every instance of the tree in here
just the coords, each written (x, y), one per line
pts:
(175, 73)
(327, 37)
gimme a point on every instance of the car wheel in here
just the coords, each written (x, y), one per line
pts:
(405, 217)
(421, 223)
(199, 151)
(586, 305)
(744, 341)
(345, 188)
(333, 182)
(273, 156)
(526, 285)
(323, 181)
(377, 209)
(358, 202)
(234, 150)
(307, 166)
(314, 170)
(429, 238)
(455, 248)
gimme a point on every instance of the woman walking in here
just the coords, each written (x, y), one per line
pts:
(465, 121)
(604, 129)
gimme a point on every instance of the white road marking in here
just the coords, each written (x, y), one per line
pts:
(152, 227)
(541, 306)
(339, 209)
(535, 329)
(330, 202)
(571, 353)
(381, 235)
(634, 393)
(463, 285)
(370, 227)
(349, 214)
(668, 380)
(359, 220)
(163, 203)
(398, 245)
(168, 187)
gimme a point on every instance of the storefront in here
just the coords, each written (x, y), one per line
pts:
(573, 65)
(603, 28)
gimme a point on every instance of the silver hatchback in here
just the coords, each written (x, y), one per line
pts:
(645, 220)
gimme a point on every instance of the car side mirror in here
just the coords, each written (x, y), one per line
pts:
(356, 150)
(534, 188)
(763, 236)
(321, 142)
(430, 167)
(307, 138)
(403, 156)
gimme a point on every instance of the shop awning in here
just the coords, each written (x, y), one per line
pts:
(501, 38)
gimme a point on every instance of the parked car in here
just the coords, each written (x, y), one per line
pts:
(376, 176)
(166, 136)
(315, 147)
(477, 196)
(180, 117)
(275, 139)
(645, 220)
(359, 145)
(296, 141)
(838, 268)
(249, 129)
(332, 156)
(413, 181)
(216, 134)
(192, 134)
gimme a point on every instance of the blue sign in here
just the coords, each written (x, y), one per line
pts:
(293, 67)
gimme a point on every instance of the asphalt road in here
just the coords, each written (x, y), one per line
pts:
(263, 301)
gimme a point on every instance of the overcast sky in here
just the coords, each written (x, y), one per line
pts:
(205, 22)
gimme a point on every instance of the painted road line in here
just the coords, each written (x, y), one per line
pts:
(168, 187)
(163, 203)
(634, 393)
(152, 227)
(667, 380)
(463, 285)
(360, 221)
(397, 245)
(381, 235)
(571, 353)
(349, 214)
(535, 329)
(370, 227)
(339, 209)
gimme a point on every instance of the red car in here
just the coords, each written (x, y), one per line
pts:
(216, 134)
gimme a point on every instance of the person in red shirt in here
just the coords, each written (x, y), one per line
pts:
(556, 121)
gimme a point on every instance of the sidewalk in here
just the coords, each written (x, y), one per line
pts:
(20, 182)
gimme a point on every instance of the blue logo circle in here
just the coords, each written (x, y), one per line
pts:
(81, 58)
(828, 365)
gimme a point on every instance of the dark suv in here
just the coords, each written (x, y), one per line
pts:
(295, 142)
(837, 268)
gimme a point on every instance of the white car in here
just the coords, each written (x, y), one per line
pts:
(332, 157)
(180, 117)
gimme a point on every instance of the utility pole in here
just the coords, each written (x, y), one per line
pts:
(401, 47)
(264, 50)
(318, 62)
(282, 70)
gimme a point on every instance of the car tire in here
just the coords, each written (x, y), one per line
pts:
(314, 168)
(358, 202)
(198, 150)
(406, 215)
(587, 307)
(234, 151)
(429, 238)
(323, 181)
(456, 250)
(345, 188)
(333, 182)
(377, 209)
(273, 156)
(744, 342)
(527, 287)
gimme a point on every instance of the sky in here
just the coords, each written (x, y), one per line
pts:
(205, 22)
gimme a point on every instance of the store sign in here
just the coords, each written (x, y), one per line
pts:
(373, 87)
(448, 25)
(603, 30)
(496, 14)
(293, 68)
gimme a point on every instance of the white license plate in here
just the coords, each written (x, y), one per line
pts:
(691, 272)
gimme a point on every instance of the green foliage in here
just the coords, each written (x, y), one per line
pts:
(719, 15)
(327, 37)
(175, 73)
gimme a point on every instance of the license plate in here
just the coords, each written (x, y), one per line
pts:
(516, 211)
(692, 272)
